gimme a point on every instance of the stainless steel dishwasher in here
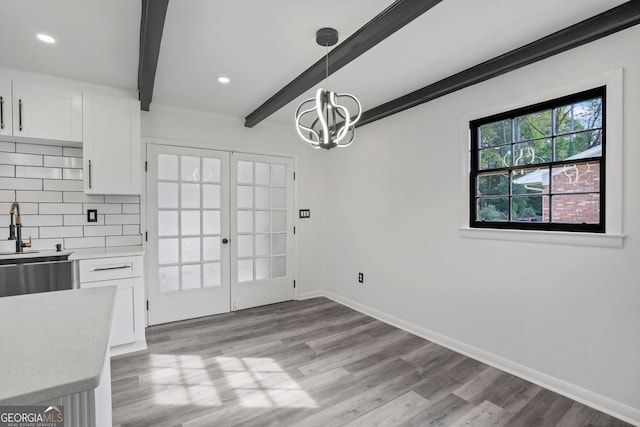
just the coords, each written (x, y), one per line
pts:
(34, 274)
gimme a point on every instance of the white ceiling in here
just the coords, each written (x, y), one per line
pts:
(262, 45)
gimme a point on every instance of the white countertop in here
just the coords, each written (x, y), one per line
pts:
(53, 344)
(109, 252)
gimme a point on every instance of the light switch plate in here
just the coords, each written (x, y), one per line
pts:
(92, 215)
(305, 213)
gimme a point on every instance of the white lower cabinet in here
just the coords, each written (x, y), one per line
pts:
(127, 326)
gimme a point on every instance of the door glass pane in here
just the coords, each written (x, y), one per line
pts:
(262, 174)
(168, 251)
(210, 170)
(262, 221)
(212, 274)
(245, 246)
(279, 220)
(263, 198)
(167, 223)
(211, 222)
(245, 197)
(190, 196)
(262, 244)
(169, 278)
(190, 169)
(190, 249)
(278, 244)
(278, 174)
(211, 196)
(191, 277)
(245, 270)
(263, 267)
(279, 198)
(190, 222)
(245, 221)
(279, 266)
(168, 167)
(245, 172)
(167, 195)
(211, 247)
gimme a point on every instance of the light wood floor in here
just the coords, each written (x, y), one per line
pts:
(317, 363)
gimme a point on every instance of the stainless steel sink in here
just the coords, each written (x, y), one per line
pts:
(31, 257)
(23, 253)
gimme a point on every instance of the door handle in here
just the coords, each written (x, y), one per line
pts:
(120, 267)
(1, 112)
(20, 114)
(225, 241)
(89, 174)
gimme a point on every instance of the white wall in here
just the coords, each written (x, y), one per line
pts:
(213, 131)
(565, 316)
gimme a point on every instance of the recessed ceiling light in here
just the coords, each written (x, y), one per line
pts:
(224, 80)
(45, 38)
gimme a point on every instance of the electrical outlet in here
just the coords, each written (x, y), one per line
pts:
(360, 277)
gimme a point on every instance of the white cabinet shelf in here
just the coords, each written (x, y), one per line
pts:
(111, 144)
(126, 273)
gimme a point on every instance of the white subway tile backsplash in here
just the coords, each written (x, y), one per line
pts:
(103, 230)
(124, 240)
(20, 159)
(51, 232)
(21, 183)
(62, 185)
(41, 220)
(82, 220)
(104, 208)
(29, 233)
(39, 196)
(63, 162)
(122, 219)
(60, 208)
(7, 170)
(72, 174)
(9, 147)
(75, 197)
(129, 230)
(122, 199)
(51, 150)
(84, 242)
(47, 181)
(38, 172)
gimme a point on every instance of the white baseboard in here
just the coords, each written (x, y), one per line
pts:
(572, 391)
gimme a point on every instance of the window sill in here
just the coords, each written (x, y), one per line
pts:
(550, 237)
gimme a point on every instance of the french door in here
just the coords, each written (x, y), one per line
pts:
(219, 231)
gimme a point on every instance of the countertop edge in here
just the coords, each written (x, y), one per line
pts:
(110, 252)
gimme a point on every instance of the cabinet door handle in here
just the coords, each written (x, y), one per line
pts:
(20, 114)
(1, 112)
(119, 267)
(89, 174)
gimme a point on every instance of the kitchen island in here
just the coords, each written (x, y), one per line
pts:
(54, 350)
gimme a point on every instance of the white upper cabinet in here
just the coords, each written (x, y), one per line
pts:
(6, 125)
(44, 112)
(111, 144)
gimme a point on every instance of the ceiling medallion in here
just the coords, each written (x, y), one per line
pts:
(323, 121)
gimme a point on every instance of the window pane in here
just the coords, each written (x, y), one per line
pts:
(493, 209)
(167, 167)
(493, 184)
(191, 249)
(279, 198)
(263, 197)
(211, 222)
(190, 169)
(279, 266)
(167, 195)
(579, 145)
(278, 244)
(263, 174)
(245, 222)
(528, 153)
(576, 208)
(580, 116)
(245, 246)
(211, 246)
(492, 134)
(527, 209)
(168, 251)
(245, 172)
(262, 221)
(211, 170)
(533, 126)
(262, 245)
(212, 274)
(263, 268)
(190, 222)
(211, 196)
(530, 181)
(245, 270)
(190, 196)
(497, 157)
(191, 277)
(278, 174)
(278, 221)
(167, 223)
(245, 197)
(169, 278)
(578, 177)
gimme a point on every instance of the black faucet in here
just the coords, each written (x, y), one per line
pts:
(15, 231)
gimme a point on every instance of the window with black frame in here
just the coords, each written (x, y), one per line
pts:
(541, 167)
